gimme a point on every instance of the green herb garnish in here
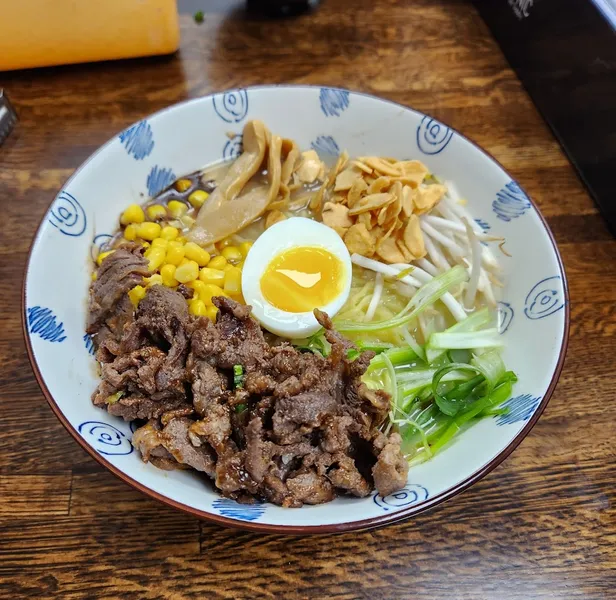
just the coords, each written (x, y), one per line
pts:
(238, 376)
(199, 16)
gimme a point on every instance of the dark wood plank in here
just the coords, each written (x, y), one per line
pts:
(541, 526)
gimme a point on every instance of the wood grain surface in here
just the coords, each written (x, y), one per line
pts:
(542, 525)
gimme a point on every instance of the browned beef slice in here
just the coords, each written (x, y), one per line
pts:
(177, 442)
(310, 488)
(208, 384)
(391, 469)
(297, 416)
(117, 275)
(138, 406)
(148, 440)
(243, 341)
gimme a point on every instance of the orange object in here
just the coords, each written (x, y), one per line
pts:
(36, 33)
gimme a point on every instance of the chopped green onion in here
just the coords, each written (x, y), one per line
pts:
(240, 408)
(114, 397)
(487, 338)
(426, 295)
(238, 376)
(352, 353)
(199, 17)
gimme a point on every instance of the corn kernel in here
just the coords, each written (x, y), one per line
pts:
(228, 267)
(224, 243)
(167, 272)
(160, 243)
(218, 262)
(169, 233)
(155, 256)
(194, 252)
(156, 212)
(175, 254)
(94, 275)
(149, 231)
(133, 214)
(197, 307)
(177, 209)
(197, 198)
(130, 233)
(102, 256)
(181, 185)
(211, 312)
(136, 294)
(233, 281)
(145, 244)
(155, 279)
(209, 275)
(209, 291)
(184, 261)
(232, 254)
(199, 288)
(187, 272)
(181, 239)
(245, 248)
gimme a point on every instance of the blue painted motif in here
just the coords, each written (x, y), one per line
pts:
(89, 344)
(334, 102)
(158, 179)
(235, 510)
(511, 202)
(99, 244)
(105, 439)
(408, 495)
(483, 224)
(505, 316)
(138, 140)
(432, 136)
(326, 144)
(545, 298)
(233, 148)
(42, 322)
(67, 215)
(232, 106)
(519, 408)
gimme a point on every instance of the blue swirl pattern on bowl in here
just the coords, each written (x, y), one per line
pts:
(232, 106)
(233, 147)
(519, 408)
(545, 298)
(326, 144)
(42, 322)
(105, 438)
(408, 495)
(505, 316)
(432, 136)
(235, 510)
(334, 102)
(138, 140)
(158, 179)
(67, 215)
(511, 202)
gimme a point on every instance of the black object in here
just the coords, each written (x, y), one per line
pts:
(8, 117)
(281, 8)
(564, 52)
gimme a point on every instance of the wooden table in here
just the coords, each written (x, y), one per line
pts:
(542, 525)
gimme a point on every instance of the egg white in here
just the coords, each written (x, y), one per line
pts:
(292, 233)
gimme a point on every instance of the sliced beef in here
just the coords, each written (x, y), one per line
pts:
(301, 428)
(119, 273)
(391, 469)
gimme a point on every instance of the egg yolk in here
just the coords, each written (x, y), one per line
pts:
(302, 279)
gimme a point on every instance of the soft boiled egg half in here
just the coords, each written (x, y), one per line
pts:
(295, 266)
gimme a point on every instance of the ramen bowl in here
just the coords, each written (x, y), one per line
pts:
(142, 160)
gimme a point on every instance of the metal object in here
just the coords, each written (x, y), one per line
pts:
(8, 117)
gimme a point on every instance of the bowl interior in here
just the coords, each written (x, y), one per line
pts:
(148, 156)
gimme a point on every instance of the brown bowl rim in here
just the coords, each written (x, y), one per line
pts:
(365, 524)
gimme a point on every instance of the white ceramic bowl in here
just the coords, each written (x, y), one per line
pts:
(146, 157)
